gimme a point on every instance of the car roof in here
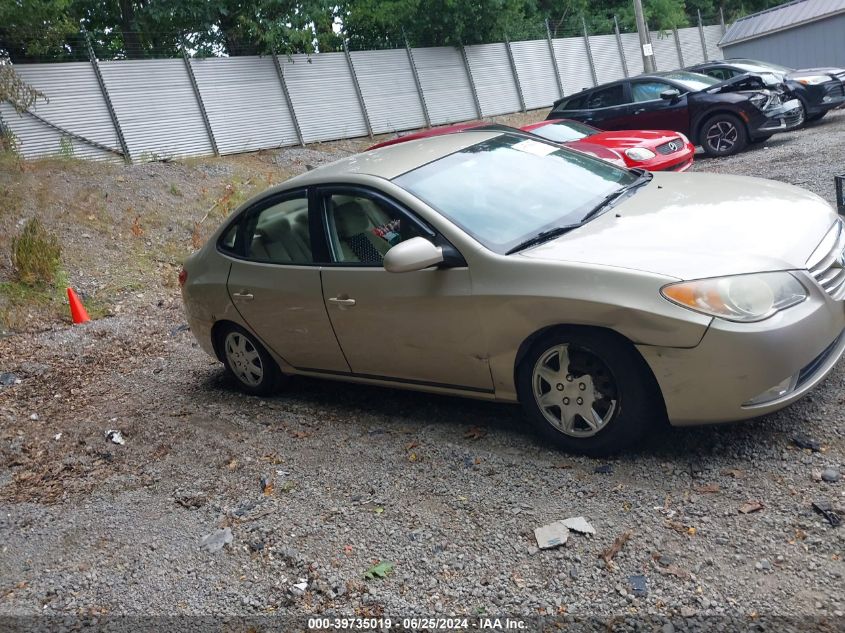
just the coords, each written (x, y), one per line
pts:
(395, 160)
(435, 131)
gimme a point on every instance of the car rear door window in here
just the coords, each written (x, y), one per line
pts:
(279, 233)
(648, 90)
(606, 97)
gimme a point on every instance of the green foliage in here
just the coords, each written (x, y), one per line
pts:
(36, 255)
(134, 29)
(379, 570)
(66, 147)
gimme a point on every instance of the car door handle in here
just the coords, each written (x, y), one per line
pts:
(246, 296)
(343, 302)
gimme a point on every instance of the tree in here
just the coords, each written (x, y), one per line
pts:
(15, 90)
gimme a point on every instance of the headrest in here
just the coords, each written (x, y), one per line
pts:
(350, 219)
(278, 229)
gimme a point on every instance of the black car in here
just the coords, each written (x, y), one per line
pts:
(820, 90)
(721, 116)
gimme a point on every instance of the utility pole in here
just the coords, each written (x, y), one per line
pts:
(645, 45)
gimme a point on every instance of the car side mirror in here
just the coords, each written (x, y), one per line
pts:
(413, 254)
(670, 95)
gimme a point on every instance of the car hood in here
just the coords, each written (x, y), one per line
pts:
(632, 138)
(690, 226)
(832, 71)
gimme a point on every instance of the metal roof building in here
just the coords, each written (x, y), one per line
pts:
(800, 34)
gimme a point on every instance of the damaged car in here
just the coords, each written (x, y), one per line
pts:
(819, 90)
(723, 117)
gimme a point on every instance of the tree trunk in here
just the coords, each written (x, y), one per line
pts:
(129, 28)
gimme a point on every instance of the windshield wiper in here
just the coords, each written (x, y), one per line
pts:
(643, 178)
(543, 236)
(550, 234)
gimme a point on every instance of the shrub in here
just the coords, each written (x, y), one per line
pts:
(36, 255)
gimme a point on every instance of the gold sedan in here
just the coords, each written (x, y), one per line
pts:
(496, 265)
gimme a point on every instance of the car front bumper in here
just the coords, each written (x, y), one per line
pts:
(786, 117)
(737, 362)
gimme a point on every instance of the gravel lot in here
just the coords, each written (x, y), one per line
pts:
(324, 480)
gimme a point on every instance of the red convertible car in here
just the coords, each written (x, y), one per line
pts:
(585, 147)
(654, 150)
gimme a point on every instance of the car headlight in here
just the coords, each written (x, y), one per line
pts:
(743, 298)
(639, 153)
(759, 100)
(813, 80)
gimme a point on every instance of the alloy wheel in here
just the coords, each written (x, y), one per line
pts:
(722, 136)
(574, 390)
(244, 359)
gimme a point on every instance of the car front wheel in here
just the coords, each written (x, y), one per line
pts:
(248, 362)
(588, 392)
(723, 135)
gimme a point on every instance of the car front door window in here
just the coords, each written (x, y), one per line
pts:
(363, 228)
(648, 90)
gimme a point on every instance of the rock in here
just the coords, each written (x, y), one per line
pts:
(604, 469)
(580, 525)
(216, 540)
(665, 560)
(639, 585)
(688, 612)
(573, 573)
(763, 565)
(8, 378)
(831, 475)
(668, 627)
(802, 441)
(551, 535)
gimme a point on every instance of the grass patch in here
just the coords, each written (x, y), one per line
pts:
(36, 255)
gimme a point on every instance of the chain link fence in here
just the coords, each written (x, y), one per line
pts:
(190, 105)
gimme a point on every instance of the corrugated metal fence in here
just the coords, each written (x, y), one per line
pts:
(142, 110)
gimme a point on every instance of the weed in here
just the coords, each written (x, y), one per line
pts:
(36, 255)
(10, 154)
(66, 150)
(174, 190)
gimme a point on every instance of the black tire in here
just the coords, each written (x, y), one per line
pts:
(723, 135)
(244, 366)
(630, 397)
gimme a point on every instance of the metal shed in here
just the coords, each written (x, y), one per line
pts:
(800, 34)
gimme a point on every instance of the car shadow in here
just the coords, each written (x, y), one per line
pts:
(397, 409)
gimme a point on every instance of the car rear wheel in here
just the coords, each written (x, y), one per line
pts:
(246, 360)
(587, 392)
(723, 135)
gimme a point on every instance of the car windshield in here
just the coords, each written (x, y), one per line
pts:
(564, 131)
(751, 68)
(692, 81)
(753, 63)
(507, 189)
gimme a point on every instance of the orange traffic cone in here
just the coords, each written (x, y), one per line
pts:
(77, 310)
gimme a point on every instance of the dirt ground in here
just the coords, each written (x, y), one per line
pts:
(325, 480)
